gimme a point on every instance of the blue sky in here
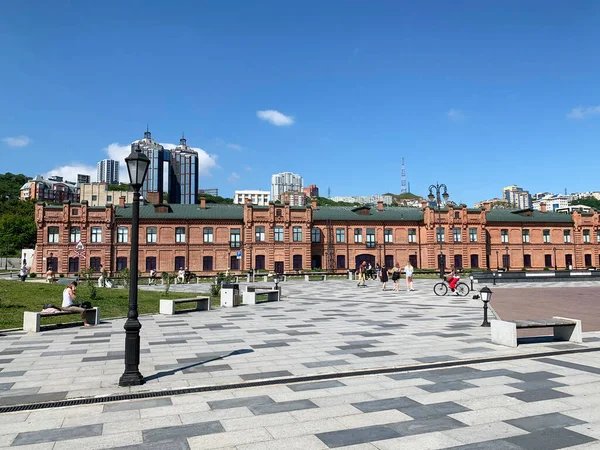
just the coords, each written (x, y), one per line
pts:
(477, 95)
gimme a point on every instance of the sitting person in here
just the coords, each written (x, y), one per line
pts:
(69, 297)
(187, 275)
(152, 279)
(50, 276)
(103, 276)
(181, 275)
(452, 278)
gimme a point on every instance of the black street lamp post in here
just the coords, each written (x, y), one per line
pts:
(137, 165)
(555, 268)
(486, 296)
(507, 264)
(497, 261)
(438, 188)
(380, 262)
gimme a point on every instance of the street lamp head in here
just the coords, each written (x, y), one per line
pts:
(431, 197)
(486, 294)
(445, 195)
(137, 166)
(506, 248)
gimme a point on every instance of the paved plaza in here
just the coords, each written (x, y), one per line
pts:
(330, 366)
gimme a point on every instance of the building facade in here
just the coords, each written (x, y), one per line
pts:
(261, 198)
(311, 191)
(81, 178)
(364, 199)
(517, 197)
(183, 174)
(285, 238)
(285, 182)
(154, 181)
(108, 171)
(97, 194)
(53, 190)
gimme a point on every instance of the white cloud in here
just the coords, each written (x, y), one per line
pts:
(235, 147)
(119, 152)
(248, 168)
(233, 177)
(581, 112)
(455, 114)
(275, 118)
(17, 141)
(70, 172)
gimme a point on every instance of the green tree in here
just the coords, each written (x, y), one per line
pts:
(587, 201)
(17, 232)
(10, 185)
(217, 199)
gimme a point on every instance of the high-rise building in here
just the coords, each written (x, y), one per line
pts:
(517, 197)
(285, 182)
(108, 171)
(83, 179)
(154, 180)
(311, 191)
(183, 174)
(256, 197)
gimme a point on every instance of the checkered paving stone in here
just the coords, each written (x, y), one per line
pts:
(414, 409)
(320, 327)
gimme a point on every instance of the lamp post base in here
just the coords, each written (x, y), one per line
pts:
(131, 379)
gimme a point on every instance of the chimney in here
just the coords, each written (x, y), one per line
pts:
(424, 204)
(543, 207)
(202, 202)
(121, 202)
(313, 203)
(380, 205)
(153, 197)
(487, 206)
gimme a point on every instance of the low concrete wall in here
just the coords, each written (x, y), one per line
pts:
(518, 276)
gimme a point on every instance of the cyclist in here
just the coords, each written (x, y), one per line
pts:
(452, 278)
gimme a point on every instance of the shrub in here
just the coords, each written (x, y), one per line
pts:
(546, 268)
(32, 275)
(61, 275)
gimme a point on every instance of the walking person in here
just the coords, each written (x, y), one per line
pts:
(23, 272)
(396, 272)
(408, 272)
(361, 274)
(383, 277)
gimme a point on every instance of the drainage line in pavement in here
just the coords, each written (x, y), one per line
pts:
(288, 380)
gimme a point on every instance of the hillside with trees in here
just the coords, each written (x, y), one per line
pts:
(10, 185)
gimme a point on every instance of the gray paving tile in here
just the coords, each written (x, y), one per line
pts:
(272, 345)
(538, 395)
(263, 375)
(226, 341)
(64, 352)
(544, 421)
(540, 384)
(59, 434)
(488, 445)
(374, 354)
(355, 436)
(182, 431)
(448, 386)
(433, 410)
(90, 342)
(15, 373)
(385, 404)
(434, 359)
(34, 398)
(6, 386)
(207, 368)
(549, 439)
(32, 347)
(311, 386)
(11, 352)
(240, 402)
(335, 362)
(272, 408)
(175, 444)
(570, 365)
(428, 425)
(6, 360)
(534, 376)
(137, 404)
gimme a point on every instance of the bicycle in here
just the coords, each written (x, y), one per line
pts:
(441, 288)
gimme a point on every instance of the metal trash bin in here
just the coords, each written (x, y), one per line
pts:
(230, 295)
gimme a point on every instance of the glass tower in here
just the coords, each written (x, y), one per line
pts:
(183, 174)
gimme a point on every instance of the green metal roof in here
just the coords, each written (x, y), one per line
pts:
(526, 215)
(176, 211)
(349, 213)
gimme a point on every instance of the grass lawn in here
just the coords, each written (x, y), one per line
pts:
(16, 297)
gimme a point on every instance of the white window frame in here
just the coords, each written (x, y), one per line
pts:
(278, 234)
(358, 236)
(472, 234)
(412, 235)
(456, 234)
(53, 235)
(504, 236)
(388, 235)
(122, 234)
(297, 234)
(340, 235)
(526, 237)
(259, 233)
(546, 236)
(440, 234)
(179, 234)
(75, 236)
(315, 235)
(567, 236)
(586, 236)
(151, 235)
(207, 235)
(96, 235)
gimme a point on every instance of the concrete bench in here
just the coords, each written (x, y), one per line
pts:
(322, 276)
(249, 297)
(31, 320)
(168, 306)
(505, 332)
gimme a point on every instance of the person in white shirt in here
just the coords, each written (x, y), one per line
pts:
(408, 271)
(69, 296)
(181, 275)
(23, 272)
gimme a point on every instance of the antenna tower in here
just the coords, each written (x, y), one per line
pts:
(403, 184)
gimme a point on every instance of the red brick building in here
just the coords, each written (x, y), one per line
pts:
(279, 237)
